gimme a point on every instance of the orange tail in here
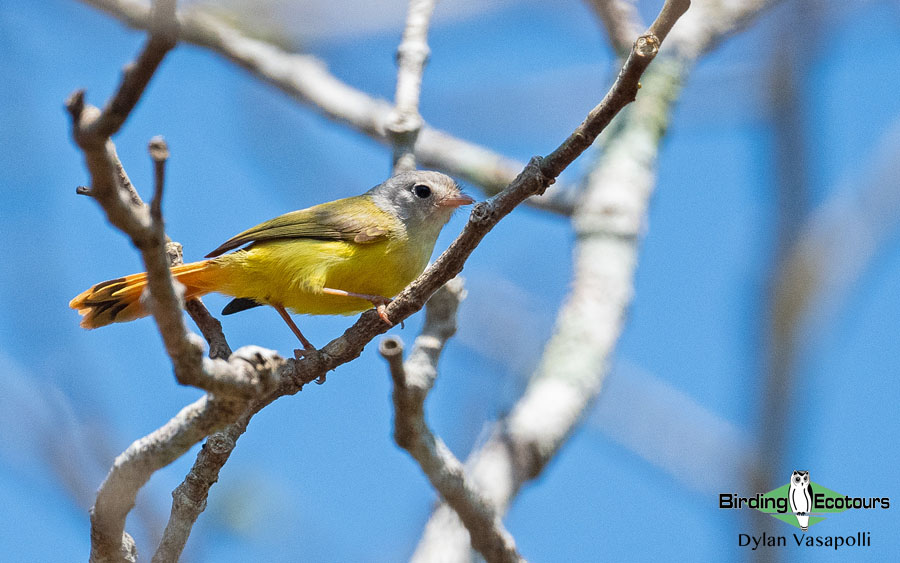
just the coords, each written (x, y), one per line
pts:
(119, 300)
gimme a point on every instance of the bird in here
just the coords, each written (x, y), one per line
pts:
(340, 257)
(800, 496)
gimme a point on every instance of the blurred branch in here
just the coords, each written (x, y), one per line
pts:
(40, 422)
(404, 122)
(306, 79)
(842, 236)
(778, 385)
(711, 21)
(413, 380)
(699, 448)
(621, 20)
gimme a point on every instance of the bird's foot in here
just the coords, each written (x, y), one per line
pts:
(380, 308)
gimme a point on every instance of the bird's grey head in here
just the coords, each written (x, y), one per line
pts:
(420, 198)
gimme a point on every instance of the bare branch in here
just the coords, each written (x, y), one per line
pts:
(621, 20)
(413, 380)
(210, 327)
(440, 326)
(138, 74)
(306, 79)
(404, 122)
(623, 91)
(671, 12)
(125, 181)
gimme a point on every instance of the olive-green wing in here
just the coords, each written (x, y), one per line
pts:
(354, 219)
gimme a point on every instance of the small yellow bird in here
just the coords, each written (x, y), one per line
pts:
(335, 258)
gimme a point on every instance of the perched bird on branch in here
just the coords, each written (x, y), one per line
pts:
(335, 258)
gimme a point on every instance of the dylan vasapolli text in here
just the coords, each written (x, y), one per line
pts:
(861, 539)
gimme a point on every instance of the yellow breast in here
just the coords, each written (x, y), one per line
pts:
(293, 272)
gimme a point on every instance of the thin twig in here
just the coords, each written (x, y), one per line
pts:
(210, 327)
(623, 91)
(159, 152)
(138, 74)
(404, 122)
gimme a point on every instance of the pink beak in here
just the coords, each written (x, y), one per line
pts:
(456, 201)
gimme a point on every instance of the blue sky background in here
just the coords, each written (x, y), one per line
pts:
(317, 477)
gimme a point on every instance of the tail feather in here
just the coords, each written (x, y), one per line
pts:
(119, 300)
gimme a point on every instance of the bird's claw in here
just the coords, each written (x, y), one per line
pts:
(380, 308)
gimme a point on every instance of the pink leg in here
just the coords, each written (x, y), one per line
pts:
(307, 345)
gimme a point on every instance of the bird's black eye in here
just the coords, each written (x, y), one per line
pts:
(422, 191)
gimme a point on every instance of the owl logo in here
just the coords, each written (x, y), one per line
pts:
(800, 496)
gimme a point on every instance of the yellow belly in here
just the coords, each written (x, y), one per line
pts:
(293, 272)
